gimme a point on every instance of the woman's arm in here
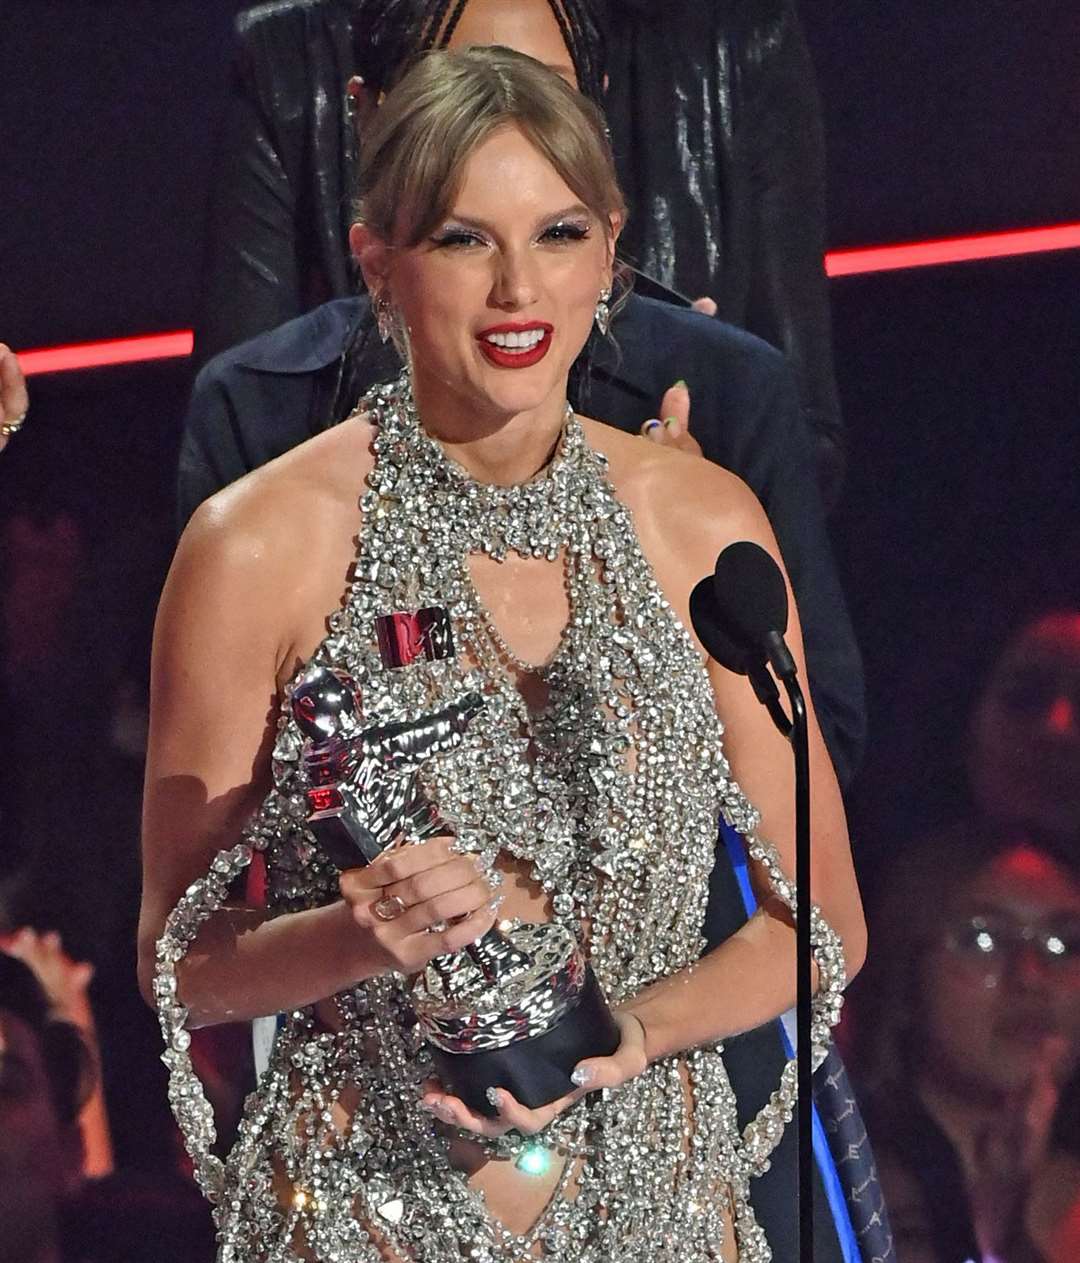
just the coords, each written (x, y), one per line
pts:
(222, 641)
(750, 978)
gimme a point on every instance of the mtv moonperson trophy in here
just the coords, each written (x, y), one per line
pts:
(515, 1010)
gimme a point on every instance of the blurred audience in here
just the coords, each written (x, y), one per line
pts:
(66, 984)
(50, 1210)
(44, 1075)
(966, 1027)
(1024, 748)
(967, 1017)
(1052, 1218)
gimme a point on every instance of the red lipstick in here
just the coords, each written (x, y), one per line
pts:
(515, 357)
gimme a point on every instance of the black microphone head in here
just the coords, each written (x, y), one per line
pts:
(750, 593)
(712, 632)
(734, 609)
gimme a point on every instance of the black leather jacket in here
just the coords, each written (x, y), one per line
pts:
(716, 128)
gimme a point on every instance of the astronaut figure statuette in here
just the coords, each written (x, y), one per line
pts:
(519, 1008)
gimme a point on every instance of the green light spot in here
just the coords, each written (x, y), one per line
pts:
(533, 1160)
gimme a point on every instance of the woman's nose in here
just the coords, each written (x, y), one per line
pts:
(1030, 968)
(515, 285)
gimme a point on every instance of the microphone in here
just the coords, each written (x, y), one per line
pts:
(740, 615)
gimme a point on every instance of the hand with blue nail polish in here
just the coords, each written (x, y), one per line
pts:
(671, 427)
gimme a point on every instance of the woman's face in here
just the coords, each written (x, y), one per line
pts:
(499, 298)
(527, 26)
(1001, 986)
(1025, 734)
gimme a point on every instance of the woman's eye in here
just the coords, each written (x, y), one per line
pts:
(565, 232)
(456, 237)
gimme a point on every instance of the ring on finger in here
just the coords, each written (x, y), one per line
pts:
(13, 426)
(388, 908)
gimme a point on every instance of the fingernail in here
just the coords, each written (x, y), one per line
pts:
(494, 1097)
(681, 382)
(582, 1076)
(650, 425)
(671, 423)
(439, 1110)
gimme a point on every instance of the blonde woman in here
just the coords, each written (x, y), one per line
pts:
(590, 786)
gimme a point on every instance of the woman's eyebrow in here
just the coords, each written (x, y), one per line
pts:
(482, 225)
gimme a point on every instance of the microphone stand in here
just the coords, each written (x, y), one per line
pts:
(795, 731)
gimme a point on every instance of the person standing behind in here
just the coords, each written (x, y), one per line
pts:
(716, 129)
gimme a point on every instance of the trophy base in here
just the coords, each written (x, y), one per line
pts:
(537, 1070)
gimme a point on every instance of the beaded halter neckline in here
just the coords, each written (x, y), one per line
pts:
(535, 518)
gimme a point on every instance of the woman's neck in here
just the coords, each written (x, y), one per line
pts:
(501, 448)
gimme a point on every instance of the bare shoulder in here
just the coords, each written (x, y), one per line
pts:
(266, 560)
(684, 506)
(296, 506)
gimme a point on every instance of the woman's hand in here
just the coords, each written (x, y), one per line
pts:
(672, 427)
(420, 901)
(14, 401)
(625, 1063)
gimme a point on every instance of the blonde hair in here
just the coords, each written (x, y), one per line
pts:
(413, 157)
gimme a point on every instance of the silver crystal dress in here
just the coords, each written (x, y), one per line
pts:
(611, 794)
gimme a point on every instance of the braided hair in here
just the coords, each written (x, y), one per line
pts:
(391, 33)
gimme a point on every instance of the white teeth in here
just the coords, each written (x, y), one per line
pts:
(524, 341)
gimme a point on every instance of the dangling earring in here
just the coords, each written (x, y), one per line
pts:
(603, 312)
(384, 318)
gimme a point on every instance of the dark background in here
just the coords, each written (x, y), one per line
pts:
(960, 384)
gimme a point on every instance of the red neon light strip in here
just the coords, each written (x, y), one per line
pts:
(155, 346)
(990, 245)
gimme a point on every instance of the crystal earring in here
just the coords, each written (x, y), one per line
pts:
(603, 312)
(384, 318)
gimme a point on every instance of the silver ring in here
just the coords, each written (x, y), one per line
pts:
(14, 426)
(388, 908)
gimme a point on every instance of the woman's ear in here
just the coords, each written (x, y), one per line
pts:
(372, 254)
(615, 226)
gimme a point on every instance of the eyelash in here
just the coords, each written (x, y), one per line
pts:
(560, 233)
(566, 231)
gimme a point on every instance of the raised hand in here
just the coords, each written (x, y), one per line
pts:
(672, 426)
(14, 400)
(65, 981)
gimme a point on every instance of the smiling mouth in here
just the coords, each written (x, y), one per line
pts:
(515, 346)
